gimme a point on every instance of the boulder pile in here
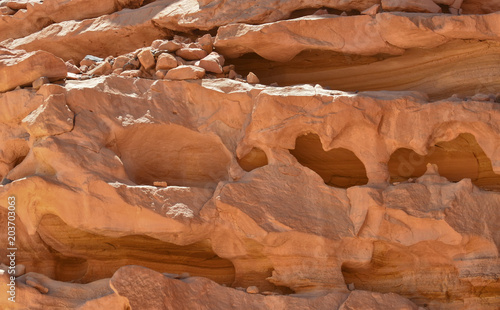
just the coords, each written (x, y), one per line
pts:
(180, 58)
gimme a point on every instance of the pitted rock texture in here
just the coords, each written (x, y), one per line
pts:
(356, 167)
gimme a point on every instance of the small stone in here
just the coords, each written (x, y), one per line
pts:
(191, 53)
(146, 58)
(169, 46)
(372, 11)
(117, 71)
(481, 97)
(160, 184)
(72, 68)
(207, 43)
(252, 78)
(343, 14)
(252, 290)
(184, 275)
(454, 11)
(185, 73)
(166, 61)
(40, 81)
(212, 63)
(156, 44)
(274, 84)
(240, 289)
(132, 64)
(351, 287)
(131, 73)
(232, 74)
(228, 68)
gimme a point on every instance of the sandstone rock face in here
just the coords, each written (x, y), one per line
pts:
(21, 68)
(250, 154)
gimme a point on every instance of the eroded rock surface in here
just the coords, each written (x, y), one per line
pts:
(251, 155)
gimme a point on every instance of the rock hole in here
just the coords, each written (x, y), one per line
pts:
(457, 159)
(338, 167)
(96, 257)
(174, 154)
(254, 159)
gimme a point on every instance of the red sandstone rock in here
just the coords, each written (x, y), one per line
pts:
(19, 68)
(184, 72)
(103, 68)
(252, 78)
(189, 53)
(381, 190)
(166, 61)
(146, 58)
(212, 62)
(169, 46)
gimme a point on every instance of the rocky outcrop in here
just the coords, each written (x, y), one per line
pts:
(34, 16)
(20, 68)
(281, 155)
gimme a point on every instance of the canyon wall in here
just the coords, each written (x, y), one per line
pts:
(290, 154)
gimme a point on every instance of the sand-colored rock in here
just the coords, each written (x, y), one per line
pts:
(252, 78)
(39, 14)
(101, 69)
(169, 46)
(213, 62)
(18, 68)
(146, 58)
(189, 53)
(184, 72)
(389, 33)
(166, 61)
(52, 118)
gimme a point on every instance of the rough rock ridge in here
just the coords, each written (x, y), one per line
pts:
(250, 155)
